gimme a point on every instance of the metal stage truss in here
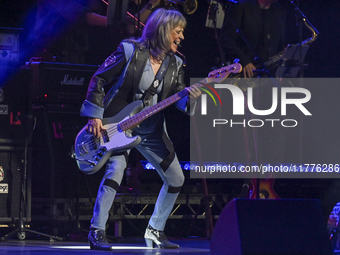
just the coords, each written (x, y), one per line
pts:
(126, 206)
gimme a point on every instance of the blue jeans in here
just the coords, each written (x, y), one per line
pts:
(153, 148)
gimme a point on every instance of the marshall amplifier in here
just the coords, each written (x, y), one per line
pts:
(59, 83)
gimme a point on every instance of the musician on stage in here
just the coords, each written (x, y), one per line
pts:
(132, 69)
(252, 32)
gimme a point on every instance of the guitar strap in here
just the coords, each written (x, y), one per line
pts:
(126, 93)
(152, 90)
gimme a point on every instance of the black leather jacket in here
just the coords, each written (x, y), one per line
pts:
(121, 72)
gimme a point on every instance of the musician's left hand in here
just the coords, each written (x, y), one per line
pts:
(194, 92)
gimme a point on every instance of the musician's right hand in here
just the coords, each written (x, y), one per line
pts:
(248, 70)
(94, 126)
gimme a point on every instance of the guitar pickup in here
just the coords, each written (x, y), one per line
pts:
(105, 136)
(82, 149)
(94, 142)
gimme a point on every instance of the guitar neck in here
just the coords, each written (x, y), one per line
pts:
(217, 76)
(143, 115)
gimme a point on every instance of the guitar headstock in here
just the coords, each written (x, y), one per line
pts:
(219, 75)
(222, 73)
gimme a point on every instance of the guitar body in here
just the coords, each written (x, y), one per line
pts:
(266, 190)
(92, 153)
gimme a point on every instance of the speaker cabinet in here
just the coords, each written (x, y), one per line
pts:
(54, 173)
(14, 117)
(267, 227)
(11, 168)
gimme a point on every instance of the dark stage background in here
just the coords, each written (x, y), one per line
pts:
(320, 135)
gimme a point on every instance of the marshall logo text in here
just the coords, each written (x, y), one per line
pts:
(72, 81)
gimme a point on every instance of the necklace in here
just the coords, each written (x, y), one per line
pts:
(155, 62)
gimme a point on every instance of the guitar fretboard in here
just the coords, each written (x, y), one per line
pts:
(141, 116)
(214, 76)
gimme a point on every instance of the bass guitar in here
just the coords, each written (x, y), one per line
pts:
(91, 152)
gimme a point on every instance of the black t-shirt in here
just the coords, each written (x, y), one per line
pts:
(250, 32)
(271, 37)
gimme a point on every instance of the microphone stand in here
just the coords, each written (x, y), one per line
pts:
(245, 131)
(300, 39)
(303, 17)
(298, 12)
(300, 16)
(25, 188)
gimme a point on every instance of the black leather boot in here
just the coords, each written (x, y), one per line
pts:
(153, 236)
(98, 241)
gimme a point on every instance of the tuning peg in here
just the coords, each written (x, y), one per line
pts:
(214, 68)
(236, 60)
(227, 63)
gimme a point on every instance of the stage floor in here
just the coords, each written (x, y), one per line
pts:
(199, 246)
(123, 246)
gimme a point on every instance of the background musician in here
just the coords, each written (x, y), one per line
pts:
(252, 32)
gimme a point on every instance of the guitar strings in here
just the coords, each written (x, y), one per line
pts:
(110, 131)
(134, 120)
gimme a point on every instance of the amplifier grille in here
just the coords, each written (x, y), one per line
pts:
(60, 83)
